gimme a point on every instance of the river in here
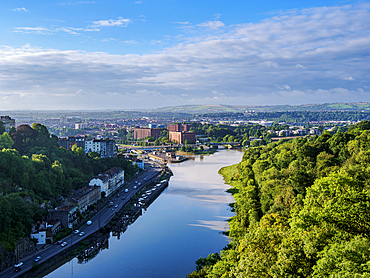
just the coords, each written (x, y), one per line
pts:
(185, 222)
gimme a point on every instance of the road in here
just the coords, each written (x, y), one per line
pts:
(100, 219)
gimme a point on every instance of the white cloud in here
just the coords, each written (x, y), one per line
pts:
(120, 22)
(271, 64)
(217, 16)
(283, 87)
(212, 24)
(348, 78)
(316, 51)
(32, 28)
(138, 2)
(299, 66)
(20, 10)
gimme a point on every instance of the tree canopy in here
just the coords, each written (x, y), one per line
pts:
(302, 209)
(37, 171)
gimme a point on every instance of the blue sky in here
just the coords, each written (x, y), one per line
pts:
(151, 53)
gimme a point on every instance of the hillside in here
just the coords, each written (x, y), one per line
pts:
(301, 210)
(202, 109)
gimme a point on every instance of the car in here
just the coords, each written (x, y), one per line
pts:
(135, 186)
(116, 206)
(117, 195)
(135, 181)
(88, 223)
(18, 265)
(59, 242)
(76, 232)
(37, 259)
(63, 244)
(126, 190)
(81, 234)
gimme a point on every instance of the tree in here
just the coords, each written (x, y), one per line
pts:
(2, 127)
(6, 141)
(345, 259)
(23, 138)
(12, 130)
(122, 132)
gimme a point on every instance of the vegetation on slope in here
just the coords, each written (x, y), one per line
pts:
(37, 171)
(302, 209)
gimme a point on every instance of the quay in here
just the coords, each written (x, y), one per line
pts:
(168, 157)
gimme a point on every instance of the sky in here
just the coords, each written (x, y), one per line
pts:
(157, 53)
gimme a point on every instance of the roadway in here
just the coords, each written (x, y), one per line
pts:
(100, 219)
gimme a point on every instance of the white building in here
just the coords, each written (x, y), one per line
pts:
(8, 122)
(81, 125)
(104, 147)
(109, 181)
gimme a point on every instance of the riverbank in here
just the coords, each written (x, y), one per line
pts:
(186, 221)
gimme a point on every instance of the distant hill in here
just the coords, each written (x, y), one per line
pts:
(202, 109)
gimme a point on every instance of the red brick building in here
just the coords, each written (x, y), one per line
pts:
(179, 127)
(140, 133)
(181, 136)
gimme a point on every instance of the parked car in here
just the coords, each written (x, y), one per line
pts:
(81, 234)
(76, 232)
(126, 190)
(88, 223)
(64, 244)
(37, 259)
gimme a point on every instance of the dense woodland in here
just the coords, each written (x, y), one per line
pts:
(34, 170)
(302, 209)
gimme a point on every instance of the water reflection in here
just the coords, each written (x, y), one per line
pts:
(182, 224)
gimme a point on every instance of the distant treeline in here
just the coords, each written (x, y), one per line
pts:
(296, 116)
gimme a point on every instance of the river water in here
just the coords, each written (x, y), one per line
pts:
(185, 222)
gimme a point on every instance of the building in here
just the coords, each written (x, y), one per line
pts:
(109, 181)
(315, 131)
(86, 196)
(181, 136)
(141, 133)
(81, 125)
(62, 120)
(8, 122)
(179, 127)
(104, 147)
(153, 125)
(44, 231)
(138, 162)
(66, 214)
(68, 142)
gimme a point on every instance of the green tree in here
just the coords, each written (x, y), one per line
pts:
(2, 127)
(122, 132)
(6, 141)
